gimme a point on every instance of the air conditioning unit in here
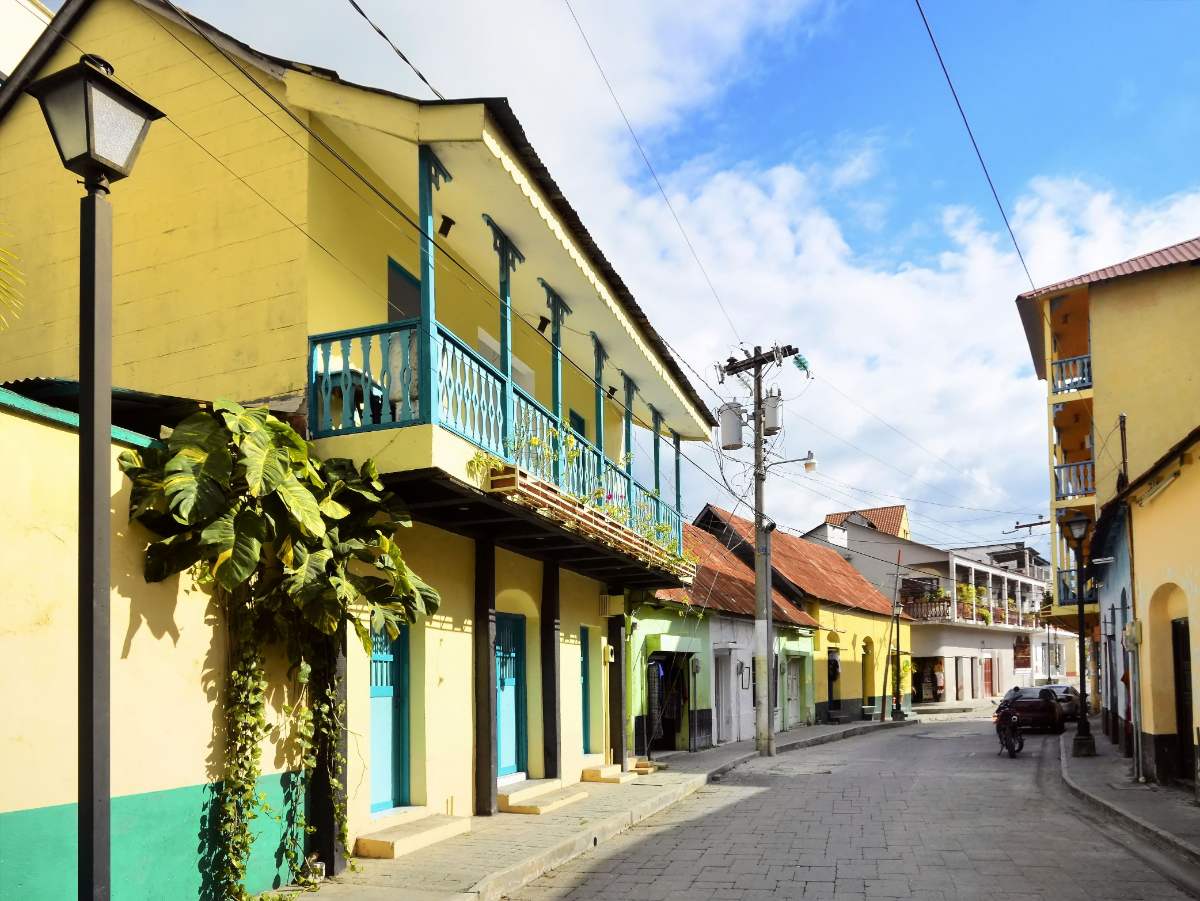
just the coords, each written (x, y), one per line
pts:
(612, 604)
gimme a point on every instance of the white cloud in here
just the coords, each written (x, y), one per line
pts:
(934, 346)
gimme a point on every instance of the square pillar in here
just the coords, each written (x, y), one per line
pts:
(600, 356)
(551, 651)
(509, 256)
(678, 489)
(616, 691)
(558, 312)
(430, 175)
(485, 677)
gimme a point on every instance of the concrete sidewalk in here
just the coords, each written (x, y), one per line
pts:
(1165, 815)
(504, 852)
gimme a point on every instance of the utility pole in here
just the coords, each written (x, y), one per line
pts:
(764, 663)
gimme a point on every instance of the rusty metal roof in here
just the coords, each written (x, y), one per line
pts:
(814, 569)
(1183, 252)
(884, 519)
(724, 582)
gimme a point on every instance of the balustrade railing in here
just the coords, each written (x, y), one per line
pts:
(1074, 480)
(925, 610)
(1071, 373)
(364, 379)
(370, 378)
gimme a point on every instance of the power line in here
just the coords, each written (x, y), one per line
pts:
(400, 53)
(646, 159)
(974, 143)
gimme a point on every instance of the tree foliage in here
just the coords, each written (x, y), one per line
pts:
(297, 552)
(240, 492)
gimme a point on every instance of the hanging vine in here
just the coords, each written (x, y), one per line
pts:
(296, 551)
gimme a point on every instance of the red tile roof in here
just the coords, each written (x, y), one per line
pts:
(1183, 252)
(723, 582)
(885, 519)
(816, 570)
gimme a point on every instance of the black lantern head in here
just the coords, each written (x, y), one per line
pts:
(98, 126)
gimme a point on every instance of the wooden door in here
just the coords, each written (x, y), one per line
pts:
(389, 721)
(1182, 654)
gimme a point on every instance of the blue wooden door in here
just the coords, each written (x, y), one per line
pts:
(585, 685)
(389, 721)
(510, 693)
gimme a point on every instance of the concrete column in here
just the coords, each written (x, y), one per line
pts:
(953, 592)
(551, 647)
(485, 677)
(616, 691)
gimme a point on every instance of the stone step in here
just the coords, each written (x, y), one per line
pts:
(610, 774)
(545, 801)
(410, 835)
(525, 790)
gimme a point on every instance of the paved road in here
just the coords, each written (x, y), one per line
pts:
(927, 812)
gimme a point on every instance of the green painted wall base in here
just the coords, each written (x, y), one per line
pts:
(164, 845)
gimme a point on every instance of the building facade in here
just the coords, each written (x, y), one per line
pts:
(404, 282)
(1121, 446)
(854, 644)
(974, 611)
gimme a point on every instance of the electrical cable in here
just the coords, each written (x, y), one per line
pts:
(650, 167)
(400, 53)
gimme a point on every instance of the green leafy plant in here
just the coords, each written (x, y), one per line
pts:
(296, 551)
(481, 466)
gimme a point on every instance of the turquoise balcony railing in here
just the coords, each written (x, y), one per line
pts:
(370, 378)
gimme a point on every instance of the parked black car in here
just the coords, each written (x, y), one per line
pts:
(1036, 708)
(1068, 700)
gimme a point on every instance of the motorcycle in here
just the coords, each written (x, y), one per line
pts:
(1008, 730)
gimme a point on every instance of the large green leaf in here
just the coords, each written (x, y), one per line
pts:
(309, 569)
(238, 537)
(301, 506)
(171, 555)
(239, 420)
(196, 482)
(263, 462)
(202, 430)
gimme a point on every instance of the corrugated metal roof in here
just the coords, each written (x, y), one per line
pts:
(1183, 252)
(724, 582)
(885, 519)
(816, 570)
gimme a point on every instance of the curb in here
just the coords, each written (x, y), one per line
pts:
(1173, 843)
(495, 885)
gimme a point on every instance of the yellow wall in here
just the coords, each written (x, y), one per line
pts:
(1167, 587)
(579, 605)
(208, 278)
(168, 642)
(845, 630)
(1145, 331)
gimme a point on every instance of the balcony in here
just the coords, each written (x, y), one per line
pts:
(1075, 480)
(1067, 594)
(1071, 374)
(373, 378)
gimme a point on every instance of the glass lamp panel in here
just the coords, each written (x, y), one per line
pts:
(116, 128)
(64, 109)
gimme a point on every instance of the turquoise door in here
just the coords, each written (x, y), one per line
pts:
(389, 721)
(585, 677)
(510, 694)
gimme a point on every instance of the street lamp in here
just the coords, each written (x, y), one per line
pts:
(898, 697)
(98, 127)
(1084, 745)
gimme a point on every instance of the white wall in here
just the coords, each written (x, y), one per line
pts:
(973, 645)
(733, 638)
(21, 21)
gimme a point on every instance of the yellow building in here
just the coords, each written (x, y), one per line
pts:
(854, 646)
(404, 280)
(169, 647)
(1117, 350)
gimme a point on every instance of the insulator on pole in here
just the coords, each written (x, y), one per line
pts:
(730, 418)
(773, 412)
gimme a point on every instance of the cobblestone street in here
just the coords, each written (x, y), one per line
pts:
(929, 812)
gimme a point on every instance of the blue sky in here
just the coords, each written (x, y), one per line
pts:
(1100, 90)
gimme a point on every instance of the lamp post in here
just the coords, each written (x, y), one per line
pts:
(1084, 745)
(98, 127)
(898, 697)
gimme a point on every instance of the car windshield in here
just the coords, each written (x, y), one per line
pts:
(1028, 694)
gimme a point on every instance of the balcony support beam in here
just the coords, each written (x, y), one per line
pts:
(600, 356)
(509, 257)
(431, 173)
(558, 312)
(630, 389)
(678, 490)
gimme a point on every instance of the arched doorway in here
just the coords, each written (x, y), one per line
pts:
(1169, 680)
(868, 672)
